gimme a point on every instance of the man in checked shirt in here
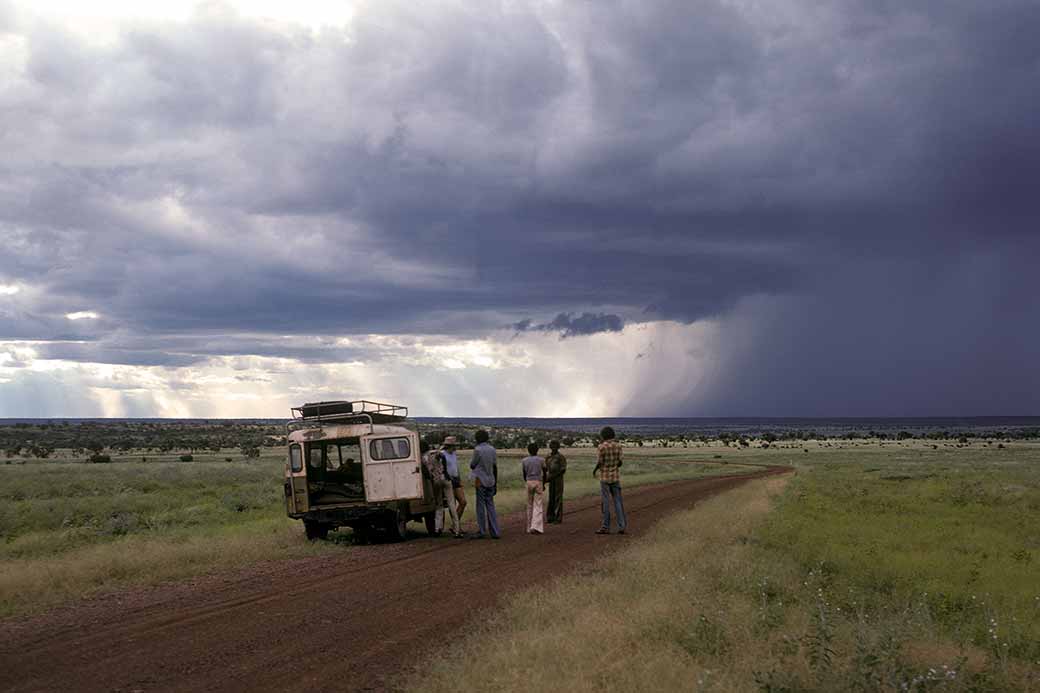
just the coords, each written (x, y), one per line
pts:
(608, 463)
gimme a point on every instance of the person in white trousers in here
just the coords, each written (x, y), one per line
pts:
(534, 476)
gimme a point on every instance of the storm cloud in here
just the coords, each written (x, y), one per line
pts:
(843, 192)
(567, 325)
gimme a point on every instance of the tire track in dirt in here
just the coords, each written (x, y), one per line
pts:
(350, 622)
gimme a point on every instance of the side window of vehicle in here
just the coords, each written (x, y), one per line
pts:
(314, 458)
(295, 458)
(390, 449)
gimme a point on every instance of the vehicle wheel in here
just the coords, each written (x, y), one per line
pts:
(315, 530)
(431, 524)
(398, 525)
(362, 533)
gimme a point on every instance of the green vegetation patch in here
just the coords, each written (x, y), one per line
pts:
(877, 568)
(952, 538)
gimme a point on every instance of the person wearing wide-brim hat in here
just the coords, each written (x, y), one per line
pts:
(453, 490)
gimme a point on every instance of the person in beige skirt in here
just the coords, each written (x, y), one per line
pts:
(534, 476)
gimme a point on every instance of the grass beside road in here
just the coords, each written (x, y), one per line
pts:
(68, 530)
(877, 568)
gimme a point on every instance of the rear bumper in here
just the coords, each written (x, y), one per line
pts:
(343, 515)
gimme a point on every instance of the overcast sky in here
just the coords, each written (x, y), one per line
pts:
(689, 208)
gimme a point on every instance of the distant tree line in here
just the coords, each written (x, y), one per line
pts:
(97, 440)
(96, 437)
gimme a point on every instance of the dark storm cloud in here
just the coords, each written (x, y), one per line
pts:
(569, 326)
(454, 168)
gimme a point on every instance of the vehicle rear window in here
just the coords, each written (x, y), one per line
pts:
(389, 449)
(295, 458)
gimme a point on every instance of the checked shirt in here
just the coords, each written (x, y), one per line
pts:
(609, 458)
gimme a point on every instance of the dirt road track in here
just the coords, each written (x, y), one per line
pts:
(349, 622)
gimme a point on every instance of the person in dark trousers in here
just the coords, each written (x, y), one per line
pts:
(556, 467)
(608, 468)
(484, 472)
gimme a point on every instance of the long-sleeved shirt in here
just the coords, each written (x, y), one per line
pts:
(556, 465)
(609, 459)
(484, 465)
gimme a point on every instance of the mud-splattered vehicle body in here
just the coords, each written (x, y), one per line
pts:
(355, 464)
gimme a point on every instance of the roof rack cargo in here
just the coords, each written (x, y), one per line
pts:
(345, 411)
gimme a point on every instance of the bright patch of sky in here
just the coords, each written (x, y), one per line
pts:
(82, 315)
(636, 370)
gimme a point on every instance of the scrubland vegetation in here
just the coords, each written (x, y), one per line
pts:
(69, 529)
(892, 568)
(897, 563)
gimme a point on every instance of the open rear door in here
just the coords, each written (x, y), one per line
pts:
(296, 500)
(392, 467)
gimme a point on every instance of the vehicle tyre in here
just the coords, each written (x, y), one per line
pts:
(430, 519)
(315, 530)
(398, 525)
(362, 533)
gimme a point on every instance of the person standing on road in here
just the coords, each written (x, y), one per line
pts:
(555, 468)
(534, 473)
(433, 469)
(454, 494)
(484, 472)
(608, 467)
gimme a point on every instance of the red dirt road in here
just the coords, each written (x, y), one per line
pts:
(350, 622)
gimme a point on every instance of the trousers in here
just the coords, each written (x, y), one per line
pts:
(554, 508)
(448, 496)
(610, 492)
(535, 506)
(487, 519)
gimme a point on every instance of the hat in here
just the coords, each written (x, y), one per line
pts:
(449, 440)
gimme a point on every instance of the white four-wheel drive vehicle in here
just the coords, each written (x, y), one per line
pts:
(355, 464)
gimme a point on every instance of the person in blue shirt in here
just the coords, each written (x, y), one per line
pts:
(484, 473)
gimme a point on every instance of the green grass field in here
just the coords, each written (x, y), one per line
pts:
(71, 529)
(895, 567)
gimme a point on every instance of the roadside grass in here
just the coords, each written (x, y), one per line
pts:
(903, 568)
(69, 530)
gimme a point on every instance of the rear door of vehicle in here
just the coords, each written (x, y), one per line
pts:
(296, 481)
(392, 467)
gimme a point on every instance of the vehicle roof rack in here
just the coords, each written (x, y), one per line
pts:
(354, 411)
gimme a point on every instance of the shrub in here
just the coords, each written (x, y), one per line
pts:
(98, 458)
(120, 523)
(187, 458)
